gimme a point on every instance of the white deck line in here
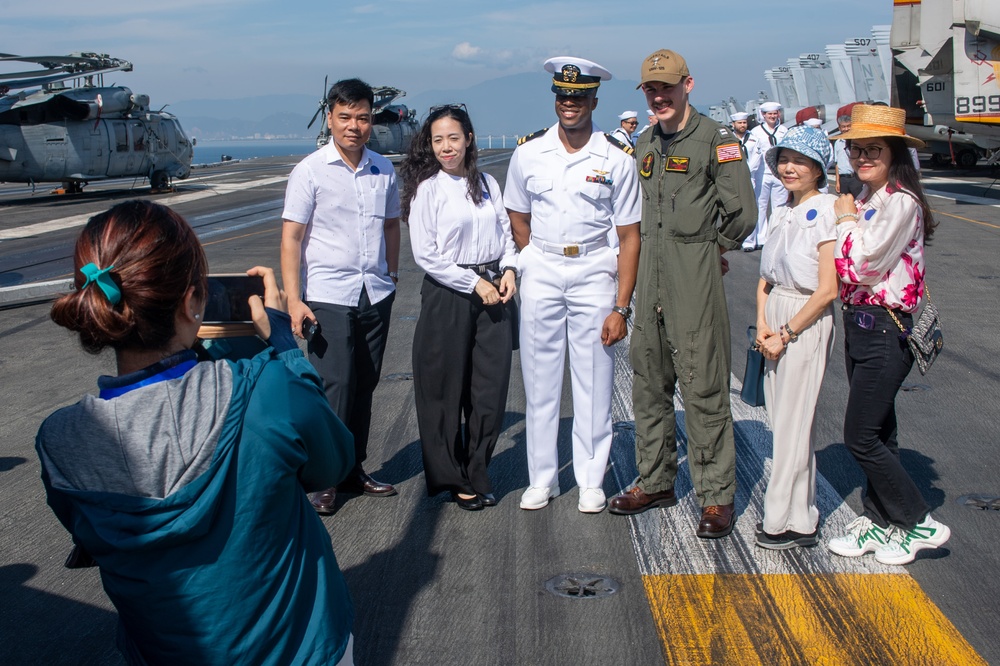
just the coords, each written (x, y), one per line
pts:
(63, 223)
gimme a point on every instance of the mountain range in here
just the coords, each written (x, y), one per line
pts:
(510, 105)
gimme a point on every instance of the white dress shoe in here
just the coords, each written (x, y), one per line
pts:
(591, 500)
(537, 498)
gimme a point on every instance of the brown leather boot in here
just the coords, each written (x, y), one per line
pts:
(635, 501)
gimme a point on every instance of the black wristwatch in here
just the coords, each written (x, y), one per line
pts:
(504, 269)
(625, 312)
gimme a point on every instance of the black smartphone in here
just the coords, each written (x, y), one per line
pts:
(227, 297)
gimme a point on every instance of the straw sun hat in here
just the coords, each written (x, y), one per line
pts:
(869, 122)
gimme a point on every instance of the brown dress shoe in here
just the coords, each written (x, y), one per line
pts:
(324, 501)
(360, 482)
(636, 501)
(716, 521)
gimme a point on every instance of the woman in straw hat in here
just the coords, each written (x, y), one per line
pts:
(880, 260)
(798, 284)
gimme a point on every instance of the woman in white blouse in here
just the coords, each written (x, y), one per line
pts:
(461, 237)
(798, 284)
(879, 255)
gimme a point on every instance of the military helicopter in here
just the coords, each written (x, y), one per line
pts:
(62, 124)
(393, 125)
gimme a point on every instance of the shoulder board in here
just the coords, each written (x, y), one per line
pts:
(534, 135)
(614, 141)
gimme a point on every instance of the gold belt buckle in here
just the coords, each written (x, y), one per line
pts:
(571, 250)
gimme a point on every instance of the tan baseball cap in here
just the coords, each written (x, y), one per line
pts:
(665, 66)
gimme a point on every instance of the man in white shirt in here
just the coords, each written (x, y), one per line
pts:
(339, 262)
(572, 193)
(770, 192)
(628, 121)
(748, 142)
(650, 121)
(846, 182)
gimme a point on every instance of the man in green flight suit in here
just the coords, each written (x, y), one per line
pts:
(697, 203)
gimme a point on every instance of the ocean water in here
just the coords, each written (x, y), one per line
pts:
(206, 152)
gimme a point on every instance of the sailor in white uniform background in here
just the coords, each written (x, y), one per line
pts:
(568, 187)
(628, 121)
(748, 142)
(770, 192)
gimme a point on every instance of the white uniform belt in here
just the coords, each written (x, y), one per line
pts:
(570, 250)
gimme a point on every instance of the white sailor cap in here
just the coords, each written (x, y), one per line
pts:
(739, 115)
(626, 115)
(575, 77)
(768, 107)
(813, 122)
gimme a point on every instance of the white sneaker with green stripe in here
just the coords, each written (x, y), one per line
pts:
(863, 536)
(903, 545)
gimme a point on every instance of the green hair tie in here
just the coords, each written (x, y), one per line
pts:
(100, 277)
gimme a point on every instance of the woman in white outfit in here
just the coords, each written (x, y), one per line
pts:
(795, 295)
(460, 235)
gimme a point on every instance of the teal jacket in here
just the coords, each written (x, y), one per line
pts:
(189, 491)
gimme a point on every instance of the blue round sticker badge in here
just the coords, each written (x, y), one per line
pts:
(811, 215)
(486, 195)
(869, 214)
(375, 170)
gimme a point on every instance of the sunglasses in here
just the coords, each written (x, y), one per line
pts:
(451, 107)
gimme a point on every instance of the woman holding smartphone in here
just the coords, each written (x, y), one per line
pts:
(185, 480)
(461, 237)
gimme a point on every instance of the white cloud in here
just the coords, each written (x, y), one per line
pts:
(466, 52)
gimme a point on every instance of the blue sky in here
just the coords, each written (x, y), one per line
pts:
(197, 49)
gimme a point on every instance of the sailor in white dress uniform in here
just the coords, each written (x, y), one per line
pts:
(770, 192)
(568, 187)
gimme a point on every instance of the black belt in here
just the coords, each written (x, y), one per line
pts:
(482, 269)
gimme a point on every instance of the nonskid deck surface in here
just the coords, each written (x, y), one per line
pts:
(434, 584)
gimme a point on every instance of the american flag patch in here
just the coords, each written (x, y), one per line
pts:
(729, 152)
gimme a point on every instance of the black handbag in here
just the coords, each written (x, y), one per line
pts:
(753, 376)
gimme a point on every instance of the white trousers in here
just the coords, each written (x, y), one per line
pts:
(791, 390)
(566, 300)
(772, 193)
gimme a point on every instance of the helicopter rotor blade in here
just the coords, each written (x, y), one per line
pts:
(322, 102)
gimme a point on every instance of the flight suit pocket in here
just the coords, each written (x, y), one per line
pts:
(702, 371)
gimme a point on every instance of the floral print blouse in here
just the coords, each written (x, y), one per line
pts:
(880, 258)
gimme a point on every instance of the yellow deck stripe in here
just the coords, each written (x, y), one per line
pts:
(750, 619)
(966, 219)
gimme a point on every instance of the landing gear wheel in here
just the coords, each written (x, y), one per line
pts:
(73, 187)
(939, 160)
(967, 159)
(159, 180)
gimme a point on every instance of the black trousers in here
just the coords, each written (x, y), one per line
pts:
(878, 361)
(347, 352)
(461, 371)
(849, 184)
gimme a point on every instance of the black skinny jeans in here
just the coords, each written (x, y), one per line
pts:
(878, 361)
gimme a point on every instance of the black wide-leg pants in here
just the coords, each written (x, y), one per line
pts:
(461, 371)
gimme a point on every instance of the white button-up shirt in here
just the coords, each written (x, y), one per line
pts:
(842, 159)
(447, 229)
(345, 212)
(573, 197)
